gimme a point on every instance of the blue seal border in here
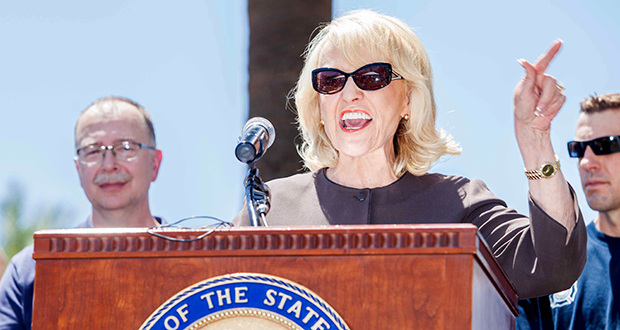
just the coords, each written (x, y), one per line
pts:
(246, 277)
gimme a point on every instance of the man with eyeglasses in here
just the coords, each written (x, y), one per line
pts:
(591, 302)
(116, 160)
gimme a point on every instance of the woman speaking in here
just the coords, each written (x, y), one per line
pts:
(366, 114)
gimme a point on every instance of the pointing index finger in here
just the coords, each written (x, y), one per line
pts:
(543, 62)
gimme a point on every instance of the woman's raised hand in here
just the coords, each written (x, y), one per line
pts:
(538, 96)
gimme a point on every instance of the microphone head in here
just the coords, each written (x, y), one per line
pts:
(271, 131)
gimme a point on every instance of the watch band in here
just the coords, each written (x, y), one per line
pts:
(546, 171)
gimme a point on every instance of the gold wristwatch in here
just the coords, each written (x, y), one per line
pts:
(546, 171)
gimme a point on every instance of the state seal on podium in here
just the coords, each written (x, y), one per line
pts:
(245, 301)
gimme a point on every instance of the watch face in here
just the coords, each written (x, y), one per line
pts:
(548, 170)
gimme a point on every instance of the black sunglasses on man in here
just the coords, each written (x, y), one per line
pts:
(604, 145)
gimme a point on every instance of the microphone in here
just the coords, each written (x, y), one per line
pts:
(257, 136)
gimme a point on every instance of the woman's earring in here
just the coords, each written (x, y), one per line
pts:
(322, 122)
(406, 117)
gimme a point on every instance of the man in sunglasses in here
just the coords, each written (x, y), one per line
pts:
(116, 161)
(590, 303)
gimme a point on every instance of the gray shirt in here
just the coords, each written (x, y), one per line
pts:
(532, 250)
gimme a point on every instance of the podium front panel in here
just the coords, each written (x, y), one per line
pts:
(375, 277)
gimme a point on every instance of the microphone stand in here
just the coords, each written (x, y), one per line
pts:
(257, 197)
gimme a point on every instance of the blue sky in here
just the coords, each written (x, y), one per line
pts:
(187, 63)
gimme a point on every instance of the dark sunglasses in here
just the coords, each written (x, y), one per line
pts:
(600, 146)
(370, 77)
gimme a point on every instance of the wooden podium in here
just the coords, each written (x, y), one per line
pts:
(376, 277)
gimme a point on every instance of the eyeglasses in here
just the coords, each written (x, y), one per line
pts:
(124, 151)
(370, 77)
(600, 146)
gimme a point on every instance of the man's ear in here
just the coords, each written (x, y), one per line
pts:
(157, 158)
(77, 166)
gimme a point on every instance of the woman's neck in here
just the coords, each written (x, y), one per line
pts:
(362, 172)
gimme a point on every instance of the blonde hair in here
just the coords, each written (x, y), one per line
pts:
(417, 143)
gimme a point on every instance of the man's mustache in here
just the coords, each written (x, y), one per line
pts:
(111, 177)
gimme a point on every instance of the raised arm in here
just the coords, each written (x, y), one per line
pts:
(538, 99)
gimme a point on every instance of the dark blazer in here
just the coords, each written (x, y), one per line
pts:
(532, 250)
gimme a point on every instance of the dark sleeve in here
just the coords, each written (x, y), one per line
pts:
(532, 251)
(16, 292)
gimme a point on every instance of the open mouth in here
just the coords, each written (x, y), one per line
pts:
(354, 120)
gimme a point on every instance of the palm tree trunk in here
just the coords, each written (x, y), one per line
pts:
(279, 32)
